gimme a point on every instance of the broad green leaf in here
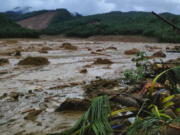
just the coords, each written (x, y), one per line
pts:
(168, 104)
(165, 116)
(158, 76)
(177, 109)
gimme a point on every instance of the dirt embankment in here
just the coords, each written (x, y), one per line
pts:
(124, 39)
(38, 22)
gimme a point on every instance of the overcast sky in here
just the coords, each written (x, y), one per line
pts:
(87, 7)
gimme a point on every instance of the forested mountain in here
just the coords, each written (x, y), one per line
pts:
(119, 23)
(11, 29)
(61, 21)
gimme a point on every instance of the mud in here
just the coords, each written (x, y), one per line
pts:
(159, 54)
(100, 61)
(47, 87)
(69, 46)
(132, 51)
(74, 104)
(35, 61)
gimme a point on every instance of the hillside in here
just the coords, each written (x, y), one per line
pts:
(38, 20)
(9, 29)
(63, 22)
(118, 23)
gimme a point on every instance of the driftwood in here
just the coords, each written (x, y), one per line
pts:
(166, 21)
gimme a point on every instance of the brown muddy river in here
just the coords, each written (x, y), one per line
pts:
(34, 83)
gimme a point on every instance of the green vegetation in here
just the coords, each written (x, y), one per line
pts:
(9, 29)
(63, 15)
(113, 23)
(135, 75)
(118, 23)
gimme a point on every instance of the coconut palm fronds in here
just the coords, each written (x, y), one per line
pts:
(95, 120)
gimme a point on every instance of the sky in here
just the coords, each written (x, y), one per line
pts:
(88, 7)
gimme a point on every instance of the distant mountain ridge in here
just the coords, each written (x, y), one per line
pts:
(38, 20)
(9, 29)
(63, 22)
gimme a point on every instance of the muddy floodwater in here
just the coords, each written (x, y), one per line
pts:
(38, 85)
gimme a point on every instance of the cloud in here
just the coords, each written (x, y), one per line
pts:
(96, 6)
(148, 5)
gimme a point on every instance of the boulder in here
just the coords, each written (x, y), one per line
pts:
(32, 115)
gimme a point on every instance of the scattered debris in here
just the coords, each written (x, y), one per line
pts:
(73, 84)
(87, 66)
(175, 49)
(3, 61)
(4, 96)
(89, 49)
(17, 53)
(165, 65)
(111, 48)
(45, 49)
(74, 104)
(100, 61)
(97, 87)
(83, 71)
(15, 96)
(97, 53)
(126, 101)
(151, 48)
(99, 50)
(35, 61)
(132, 51)
(32, 115)
(69, 46)
(3, 72)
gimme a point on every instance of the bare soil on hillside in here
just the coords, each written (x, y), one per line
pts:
(38, 22)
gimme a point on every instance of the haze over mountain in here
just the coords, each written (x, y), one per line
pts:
(21, 10)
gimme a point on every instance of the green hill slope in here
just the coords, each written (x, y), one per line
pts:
(10, 29)
(118, 23)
